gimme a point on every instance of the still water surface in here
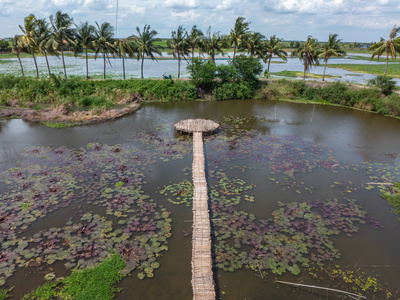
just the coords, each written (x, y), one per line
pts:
(351, 136)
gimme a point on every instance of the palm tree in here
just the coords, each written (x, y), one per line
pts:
(17, 47)
(212, 44)
(62, 34)
(180, 45)
(125, 47)
(331, 48)
(145, 44)
(253, 43)
(42, 38)
(273, 47)
(309, 53)
(29, 37)
(390, 46)
(104, 42)
(194, 38)
(84, 37)
(239, 33)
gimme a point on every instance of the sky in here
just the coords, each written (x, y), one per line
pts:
(352, 20)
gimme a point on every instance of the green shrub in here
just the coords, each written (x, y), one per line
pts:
(94, 101)
(202, 73)
(385, 84)
(311, 93)
(335, 93)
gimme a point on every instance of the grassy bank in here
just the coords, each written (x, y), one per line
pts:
(368, 99)
(295, 74)
(377, 69)
(75, 95)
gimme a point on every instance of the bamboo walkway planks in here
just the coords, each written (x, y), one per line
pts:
(202, 275)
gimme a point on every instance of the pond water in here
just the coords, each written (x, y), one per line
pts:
(287, 186)
(155, 69)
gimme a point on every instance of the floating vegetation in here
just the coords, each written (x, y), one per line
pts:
(101, 178)
(286, 155)
(100, 189)
(180, 193)
(355, 279)
(89, 283)
(296, 235)
(392, 195)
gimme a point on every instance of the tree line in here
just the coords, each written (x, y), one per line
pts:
(61, 33)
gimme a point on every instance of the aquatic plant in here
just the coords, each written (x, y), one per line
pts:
(90, 283)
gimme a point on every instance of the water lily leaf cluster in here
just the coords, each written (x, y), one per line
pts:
(100, 187)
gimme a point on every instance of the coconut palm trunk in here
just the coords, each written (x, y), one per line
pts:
(387, 62)
(47, 62)
(323, 75)
(179, 66)
(305, 69)
(104, 61)
(234, 49)
(123, 65)
(192, 52)
(36, 66)
(269, 62)
(63, 61)
(20, 63)
(141, 68)
(87, 64)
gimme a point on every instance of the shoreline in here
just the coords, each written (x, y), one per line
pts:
(61, 115)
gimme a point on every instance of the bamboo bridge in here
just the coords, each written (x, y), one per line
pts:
(202, 274)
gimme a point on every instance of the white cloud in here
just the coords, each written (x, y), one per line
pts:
(186, 16)
(181, 4)
(308, 6)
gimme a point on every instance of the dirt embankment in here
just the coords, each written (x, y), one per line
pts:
(64, 114)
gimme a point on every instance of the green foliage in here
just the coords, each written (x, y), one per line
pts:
(43, 292)
(393, 70)
(4, 46)
(392, 196)
(237, 80)
(95, 101)
(96, 283)
(4, 294)
(385, 84)
(58, 125)
(202, 73)
(86, 284)
(369, 99)
(247, 68)
(94, 94)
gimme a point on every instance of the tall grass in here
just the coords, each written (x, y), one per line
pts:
(370, 99)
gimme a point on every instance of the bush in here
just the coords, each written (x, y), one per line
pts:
(311, 93)
(206, 75)
(385, 84)
(202, 73)
(335, 93)
(228, 90)
(95, 101)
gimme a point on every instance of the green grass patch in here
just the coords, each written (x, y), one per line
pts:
(382, 59)
(393, 69)
(87, 284)
(296, 74)
(392, 196)
(367, 99)
(59, 125)
(4, 294)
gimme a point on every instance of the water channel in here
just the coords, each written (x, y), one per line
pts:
(266, 153)
(155, 69)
